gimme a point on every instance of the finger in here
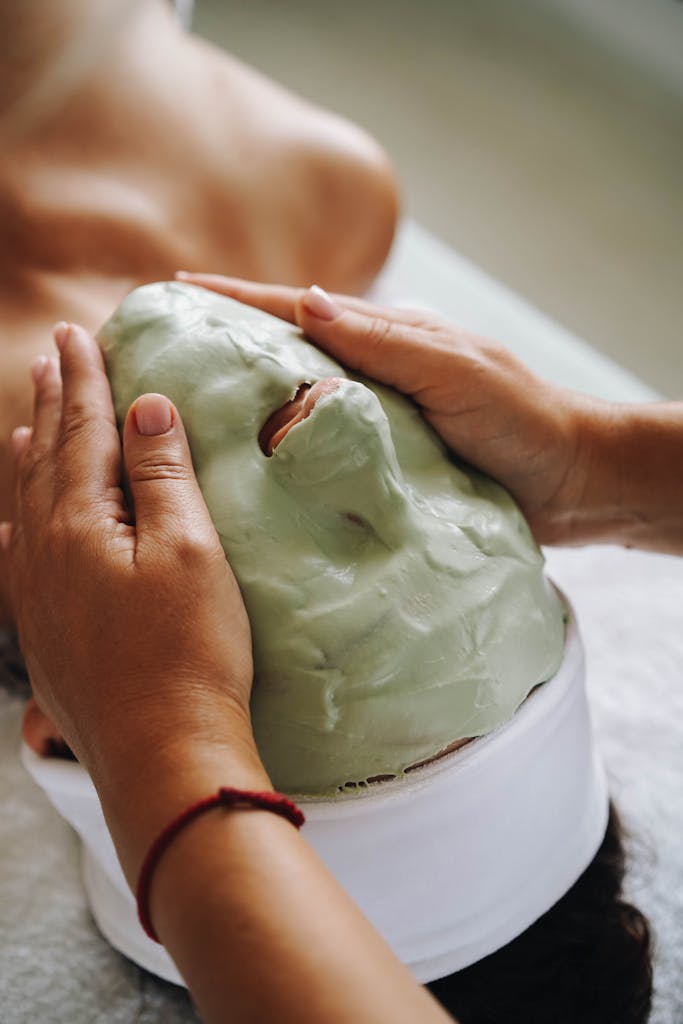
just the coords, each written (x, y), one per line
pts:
(28, 470)
(276, 299)
(371, 342)
(12, 549)
(5, 542)
(21, 442)
(5, 570)
(34, 448)
(281, 300)
(169, 507)
(5, 536)
(47, 402)
(397, 347)
(89, 454)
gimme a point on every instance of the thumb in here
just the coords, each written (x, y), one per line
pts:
(373, 343)
(168, 502)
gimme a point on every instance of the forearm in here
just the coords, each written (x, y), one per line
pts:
(141, 789)
(256, 924)
(627, 484)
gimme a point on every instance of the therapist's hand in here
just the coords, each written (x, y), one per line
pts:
(134, 633)
(485, 404)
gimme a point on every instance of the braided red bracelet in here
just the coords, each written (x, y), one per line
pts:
(225, 797)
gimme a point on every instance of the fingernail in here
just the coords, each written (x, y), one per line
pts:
(318, 303)
(5, 535)
(180, 274)
(61, 333)
(153, 415)
(38, 367)
(20, 436)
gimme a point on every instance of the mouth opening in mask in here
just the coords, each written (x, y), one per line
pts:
(297, 409)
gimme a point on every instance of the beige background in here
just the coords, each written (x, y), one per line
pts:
(541, 138)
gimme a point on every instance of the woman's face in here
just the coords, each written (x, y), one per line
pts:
(397, 602)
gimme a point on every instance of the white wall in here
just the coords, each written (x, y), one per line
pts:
(542, 138)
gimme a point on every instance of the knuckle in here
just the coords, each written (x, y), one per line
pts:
(70, 530)
(478, 352)
(49, 389)
(489, 349)
(379, 331)
(494, 359)
(424, 319)
(32, 465)
(193, 548)
(156, 467)
(182, 554)
(77, 421)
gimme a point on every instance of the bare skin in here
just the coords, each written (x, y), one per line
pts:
(172, 154)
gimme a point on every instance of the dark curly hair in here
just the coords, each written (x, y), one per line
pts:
(586, 961)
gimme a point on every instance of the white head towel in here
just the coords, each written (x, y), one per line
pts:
(450, 862)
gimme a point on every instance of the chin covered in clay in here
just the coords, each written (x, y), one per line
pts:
(397, 599)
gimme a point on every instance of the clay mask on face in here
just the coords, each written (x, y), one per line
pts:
(397, 601)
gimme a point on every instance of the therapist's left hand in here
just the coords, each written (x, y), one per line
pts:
(134, 633)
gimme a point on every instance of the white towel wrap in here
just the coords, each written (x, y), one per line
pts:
(450, 862)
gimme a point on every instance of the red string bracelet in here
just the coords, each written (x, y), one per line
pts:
(225, 797)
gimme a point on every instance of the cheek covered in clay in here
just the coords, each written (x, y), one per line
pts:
(397, 600)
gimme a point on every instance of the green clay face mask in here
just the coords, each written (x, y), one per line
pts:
(397, 601)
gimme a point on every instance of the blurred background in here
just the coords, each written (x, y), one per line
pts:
(543, 139)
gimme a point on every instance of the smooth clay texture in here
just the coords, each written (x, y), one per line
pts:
(397, 598)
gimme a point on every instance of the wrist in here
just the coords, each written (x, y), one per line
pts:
(587, 503)
(587, 508)
(147, 728)
(157, 781)
(623, 486)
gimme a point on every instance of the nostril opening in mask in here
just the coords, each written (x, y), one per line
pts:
(355, 519)
(279, 422)
(299, 408)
